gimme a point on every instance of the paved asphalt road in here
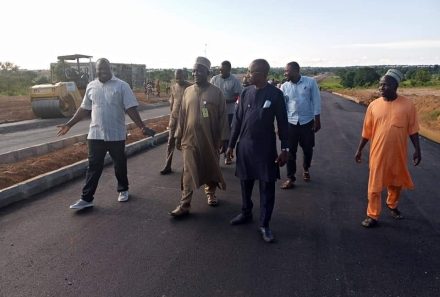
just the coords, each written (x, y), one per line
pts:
(136, 249)
(24, 138)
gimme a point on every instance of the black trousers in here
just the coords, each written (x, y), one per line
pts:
(305, 137)
(230, 117)
(267, 199)
(97, 151)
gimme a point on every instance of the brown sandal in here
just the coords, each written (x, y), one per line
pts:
(212, 200)
(288, 184)
(306, 176)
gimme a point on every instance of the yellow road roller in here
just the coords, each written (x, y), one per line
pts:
(55, 100)
(62, 99)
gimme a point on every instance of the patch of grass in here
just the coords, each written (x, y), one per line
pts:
(331, 83)
(433, 115)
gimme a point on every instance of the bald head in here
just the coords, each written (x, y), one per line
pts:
(258, 71)
(261, 65)
(103, 70)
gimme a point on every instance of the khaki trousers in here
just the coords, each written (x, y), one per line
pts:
(171, 143)
(187, 189)
(374, 201)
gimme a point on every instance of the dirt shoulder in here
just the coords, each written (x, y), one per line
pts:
(426, 100)
(11, 174)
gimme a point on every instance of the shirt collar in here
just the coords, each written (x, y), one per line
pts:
(113, 78)
(300, 81)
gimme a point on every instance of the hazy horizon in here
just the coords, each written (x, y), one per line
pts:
(170, 34)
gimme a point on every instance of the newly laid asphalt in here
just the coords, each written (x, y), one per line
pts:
(20, 135)
(137, 249)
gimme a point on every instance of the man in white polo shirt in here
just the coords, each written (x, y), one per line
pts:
(107, 98)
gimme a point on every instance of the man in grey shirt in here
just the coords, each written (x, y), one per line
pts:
(107, 98)
(231, 89)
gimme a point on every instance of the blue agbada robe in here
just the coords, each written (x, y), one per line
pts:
(253, 127)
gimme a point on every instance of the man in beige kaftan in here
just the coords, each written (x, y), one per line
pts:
(201, 134)
(175, 100)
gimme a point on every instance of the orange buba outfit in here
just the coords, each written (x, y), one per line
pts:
(388, 125)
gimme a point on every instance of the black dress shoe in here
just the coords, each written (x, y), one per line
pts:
(267, 234)
(241, 219)
(166, 171)
(369, 222)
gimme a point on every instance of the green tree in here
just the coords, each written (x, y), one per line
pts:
(347, 78)
(41, 80)
(410, 73)
(8, 67)
(365, 77)
(14, 81)
(422, 75)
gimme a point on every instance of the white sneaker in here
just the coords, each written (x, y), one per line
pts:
(123, 196)
(81, 204)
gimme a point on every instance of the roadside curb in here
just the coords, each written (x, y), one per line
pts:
(40, 149)
(45, 148)
(354, 99)
(42, 123)
(424, 131)
(44, 182)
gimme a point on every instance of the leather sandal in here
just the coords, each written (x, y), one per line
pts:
(212, 200)
(179, 211)
(288, 184)
(306, 176)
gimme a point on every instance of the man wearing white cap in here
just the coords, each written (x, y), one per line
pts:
(201, 134)
(389, 121)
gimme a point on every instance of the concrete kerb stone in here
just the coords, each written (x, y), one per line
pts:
(348, 97)
(44, 182)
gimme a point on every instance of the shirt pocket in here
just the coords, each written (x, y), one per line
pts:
(264, 114)
(114, 96)
(97, 97)
(398, 117)
(304, 91)
(398, 120)
(211, 108)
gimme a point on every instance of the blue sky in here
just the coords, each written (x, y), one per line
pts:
(170, 34)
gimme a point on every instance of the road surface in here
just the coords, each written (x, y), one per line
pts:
(136, 249)
(33, 136)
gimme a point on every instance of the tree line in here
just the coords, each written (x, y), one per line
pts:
(14, 81)
(369, 76)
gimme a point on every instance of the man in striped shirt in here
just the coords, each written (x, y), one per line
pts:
(107, 99)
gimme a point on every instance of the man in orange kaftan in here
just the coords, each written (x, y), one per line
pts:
(389, 121)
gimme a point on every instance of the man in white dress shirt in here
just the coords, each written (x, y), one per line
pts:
(107, 99)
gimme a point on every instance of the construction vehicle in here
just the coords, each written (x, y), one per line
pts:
(55, 100)
(63, 98)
